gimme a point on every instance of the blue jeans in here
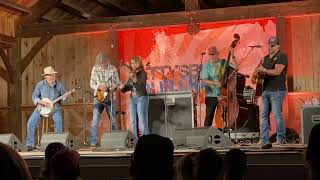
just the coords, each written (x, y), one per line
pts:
(97, 111)
(275, 99)
(139, 106)
(34, 120)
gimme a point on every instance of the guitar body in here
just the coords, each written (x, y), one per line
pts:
(101, 95)
(46, 111)
(259, 78)
(259, 84)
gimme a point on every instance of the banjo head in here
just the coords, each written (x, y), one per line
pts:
(46, 111)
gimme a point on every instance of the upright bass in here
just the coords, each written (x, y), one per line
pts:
(228, 103)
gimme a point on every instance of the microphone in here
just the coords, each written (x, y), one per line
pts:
(148, 64)
(203, 53)
(255, 46)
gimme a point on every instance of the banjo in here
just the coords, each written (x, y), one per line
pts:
(47, 111)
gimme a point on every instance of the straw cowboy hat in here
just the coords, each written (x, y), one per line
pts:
(49, 70)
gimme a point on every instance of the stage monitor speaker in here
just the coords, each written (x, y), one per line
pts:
(118, 140)
(310, 116)
(203, 137)
(13, 141)
(64, 138)
(180, 113)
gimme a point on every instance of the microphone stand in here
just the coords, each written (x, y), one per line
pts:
(165, 100)
(111, 104)
(85, 115)
(235, 93)
(199, 87)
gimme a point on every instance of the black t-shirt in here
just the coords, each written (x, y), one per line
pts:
(275, 83)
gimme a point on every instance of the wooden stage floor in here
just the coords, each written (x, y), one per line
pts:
(279, 163)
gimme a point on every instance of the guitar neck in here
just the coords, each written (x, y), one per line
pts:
(60, 97)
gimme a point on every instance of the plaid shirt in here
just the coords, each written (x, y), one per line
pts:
(106, 77)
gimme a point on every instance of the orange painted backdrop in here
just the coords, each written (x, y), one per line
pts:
(177, 54)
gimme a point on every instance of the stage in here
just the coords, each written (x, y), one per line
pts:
(278, 163)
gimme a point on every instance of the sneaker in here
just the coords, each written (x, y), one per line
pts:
(30, 148)
(266, 145)
(279, 142)
(93, 145)
(260, 142)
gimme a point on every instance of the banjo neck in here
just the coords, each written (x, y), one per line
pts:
(60, 97)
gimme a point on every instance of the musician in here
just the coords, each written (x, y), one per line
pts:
(139, 97)
(274, 65)
(211, 73)
(104, 76)
(47, 88)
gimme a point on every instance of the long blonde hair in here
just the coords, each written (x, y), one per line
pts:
(137, 59)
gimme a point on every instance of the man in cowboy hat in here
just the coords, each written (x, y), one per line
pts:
(47, 88)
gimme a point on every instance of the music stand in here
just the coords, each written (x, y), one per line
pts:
(165, 99)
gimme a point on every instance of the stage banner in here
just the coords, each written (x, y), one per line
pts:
(176, 54)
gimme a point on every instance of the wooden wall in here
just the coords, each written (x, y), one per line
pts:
(7, 27)
(303, 47)
(304, 33)
(73, 57)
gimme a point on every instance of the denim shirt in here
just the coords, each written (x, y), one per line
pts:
(43, 90)
(212, 71)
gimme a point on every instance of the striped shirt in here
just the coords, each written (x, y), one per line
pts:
(107, 76)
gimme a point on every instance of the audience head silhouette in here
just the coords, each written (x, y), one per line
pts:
(236, 164)
(152, 158)
(65, 165)
(208, 165)
(184, 167)
(12, 165)
(312, 153)
(50, 151)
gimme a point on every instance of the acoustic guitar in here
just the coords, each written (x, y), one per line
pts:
(47, 111)
(258, 79)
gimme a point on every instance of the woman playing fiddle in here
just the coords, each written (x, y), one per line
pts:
(139, 103)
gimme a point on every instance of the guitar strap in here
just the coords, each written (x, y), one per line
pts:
(273, 60)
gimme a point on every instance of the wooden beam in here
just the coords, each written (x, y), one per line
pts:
(15, 91)
(38, 10)
(34, 51)
(191, 5)
(70, 10)
(15, 7)
(169, 19)
(6, 41)
(75, 10)
(129, 6)
(110, 7)
(7, 64)
(4, 74)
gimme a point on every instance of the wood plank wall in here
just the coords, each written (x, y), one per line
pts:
(7, 28)
(305, 35)
(304, 65)
(73, 56)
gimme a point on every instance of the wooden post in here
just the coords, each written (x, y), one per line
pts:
(192, 5)
(15, 93)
